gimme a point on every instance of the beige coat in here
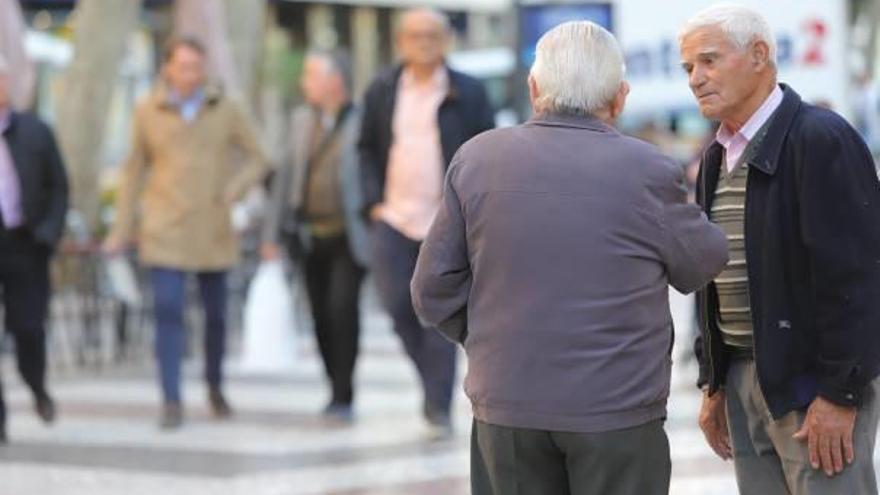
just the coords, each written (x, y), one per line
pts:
(180, 180)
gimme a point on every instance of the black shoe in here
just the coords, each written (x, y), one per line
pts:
(172, 416)
(45, 408)
(338, 413)
(439, 423)
(219, 405)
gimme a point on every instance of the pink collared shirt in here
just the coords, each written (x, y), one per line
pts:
(10, 185)
(414, 179)
(735, 143)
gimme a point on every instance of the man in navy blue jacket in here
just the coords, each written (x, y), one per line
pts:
(789, 346)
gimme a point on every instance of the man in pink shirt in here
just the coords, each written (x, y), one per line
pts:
(416, 116)
(789, 350)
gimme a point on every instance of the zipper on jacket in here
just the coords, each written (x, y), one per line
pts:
(705, 295)
(755, 314)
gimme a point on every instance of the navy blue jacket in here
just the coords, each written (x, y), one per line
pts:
(464, 113)
(812, 237)
(44, 188)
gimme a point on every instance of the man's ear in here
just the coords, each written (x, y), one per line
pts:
(620, 99)
(760, 55)
(533, 91)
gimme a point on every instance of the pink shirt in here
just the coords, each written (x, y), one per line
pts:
(10, 187)
(735, 143)
(414, 179)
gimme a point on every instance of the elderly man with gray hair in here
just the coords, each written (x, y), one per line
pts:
(550, 261)
(789, 347)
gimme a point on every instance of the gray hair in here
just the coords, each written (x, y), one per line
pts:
(741, 25)
(338, 61)
(578, 69)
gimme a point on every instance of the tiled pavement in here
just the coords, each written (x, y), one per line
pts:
(107, 441)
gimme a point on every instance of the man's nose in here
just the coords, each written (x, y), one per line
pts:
(696, 78)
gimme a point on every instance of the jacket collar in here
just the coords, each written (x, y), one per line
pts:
(572, 121)
(766, 156)
(161, 96)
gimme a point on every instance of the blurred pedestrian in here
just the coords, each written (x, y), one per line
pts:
(315, 212)
(415, 117)
(550, 262)
(33, 206)
(183, 135)
(790, 350)
(866, 111)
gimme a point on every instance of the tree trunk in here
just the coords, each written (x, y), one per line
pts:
(871, 49)
(98, 46)
(247, 36)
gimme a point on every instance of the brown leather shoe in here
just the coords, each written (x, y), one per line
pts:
(172, 416)
(219, 405)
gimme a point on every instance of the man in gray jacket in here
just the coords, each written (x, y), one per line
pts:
(550, 261)
(315, 212)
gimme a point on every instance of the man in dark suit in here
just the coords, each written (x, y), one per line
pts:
(415, 118)
(33, 204)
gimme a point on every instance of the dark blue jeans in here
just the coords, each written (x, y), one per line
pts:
(394, 261)
(169, 293)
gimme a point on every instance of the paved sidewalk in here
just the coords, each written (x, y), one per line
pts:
(107, 441)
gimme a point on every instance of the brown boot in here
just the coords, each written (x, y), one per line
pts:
(172, 416)
(219, 405)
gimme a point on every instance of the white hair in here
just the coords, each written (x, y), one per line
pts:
(741, 25)
(578, 69)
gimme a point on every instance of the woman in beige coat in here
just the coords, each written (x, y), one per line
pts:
(174, 200)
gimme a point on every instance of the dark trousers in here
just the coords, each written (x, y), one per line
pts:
(515, 461)
(333, 281)
(394, 261)
(24, 280)
(169, 293)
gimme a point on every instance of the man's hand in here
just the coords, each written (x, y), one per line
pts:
(713, 422)
(269, 251)
(375, 213)
(828, 430)
(113, 246)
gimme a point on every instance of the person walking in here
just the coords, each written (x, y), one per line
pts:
(315, 212)
(416, 115)
(33, 207)
(183, 134)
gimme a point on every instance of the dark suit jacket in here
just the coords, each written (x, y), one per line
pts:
(464, 113)
(44, 188)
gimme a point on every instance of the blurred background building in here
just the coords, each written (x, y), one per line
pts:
(827, 49)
